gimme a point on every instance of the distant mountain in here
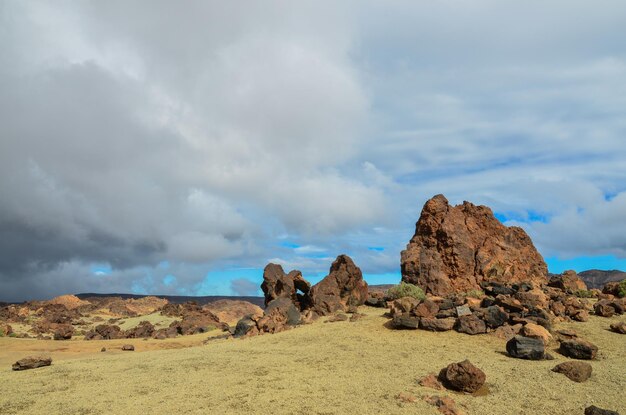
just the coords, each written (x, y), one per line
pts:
(177, 299)
(595, 278)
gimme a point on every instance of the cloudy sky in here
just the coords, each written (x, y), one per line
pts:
(152, 147)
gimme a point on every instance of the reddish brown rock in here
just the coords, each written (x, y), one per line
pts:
(431, 381)
(145, 329)
(32, 362)
(231, 311)
(444, 404)
(536, 331)
(604, 308)
(470, 324)
(437, 324)
(406, 397)
(568, 281)
(63, 332)
(402, 305)
(280, 314)
(342, 287)
(105, 332)
(456, 248)
(462, 376)
(277, 284)
(6, 329)
(426, 308)
(576, 371)
(577, 348)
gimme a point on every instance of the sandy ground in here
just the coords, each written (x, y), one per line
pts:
(334, 368)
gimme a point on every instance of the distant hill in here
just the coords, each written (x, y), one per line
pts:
(177, 299)
(595, 278)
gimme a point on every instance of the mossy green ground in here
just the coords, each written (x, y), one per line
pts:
(333, 368)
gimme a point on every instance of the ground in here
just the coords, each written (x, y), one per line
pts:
(322, 368)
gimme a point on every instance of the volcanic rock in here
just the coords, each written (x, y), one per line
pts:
(536, 331)
(495, 317)
(63, 332)
(32, 362)
(405, 321)
(280, 315)
(231, 311)
(456, 248)
(337, 317)
(526, 348)
(277, 284)
(342, 287)
(145, 329)
(128, 348)
(594, 410)
(426, 308)
(104, 332)
(576, 371)
(568, 281)
(470, 324)
(6, 329)
(402, 305)
(604, 308)
(246, 327)
(462, 376)
(619, 327)
(577, 348)
(431, 381)
(437, 324)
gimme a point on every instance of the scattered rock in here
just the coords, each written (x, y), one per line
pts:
(406, 397)
(104, 332)
(32, 362)
(128, 348)
(280, 314)
(431, 381)
(578, 349)
(576, 371)
(456, 248)
(427, 308)
(246, 327)
(507, 332)
(444, 404)
(470, 324)
(144, 329)
(462, 376)
(594, 410)
(526, 348)
(619, 327)
(337, 317)
(437, 324)
(104, 349)
(604, 308)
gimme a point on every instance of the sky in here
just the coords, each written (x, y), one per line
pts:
(151, 147)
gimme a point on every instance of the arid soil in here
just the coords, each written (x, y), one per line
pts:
(320, 368)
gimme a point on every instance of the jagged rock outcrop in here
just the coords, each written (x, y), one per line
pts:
(568, 281)
(456, 248)
(277, 284)
(342, 287)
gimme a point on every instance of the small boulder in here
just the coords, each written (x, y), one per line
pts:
(578, 349)
(437, 324)
(246, 327)
(537, 332)
(604, 308)
(470, 324)
(576, 371)
(619, 327)
(462, 376)
(495, 317)
(63, 332)
(594, 410)
(402, 305)
(32, 362)
(104, 349)
(526, 348)
(426, 308)
(128, 348)
(406, 321)
(337, 317)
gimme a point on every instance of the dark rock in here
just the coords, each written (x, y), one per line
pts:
(576, 371)
(245, 327)
(619, 327)
(462, 376)
(105, 332)
(406, 321)
(470, 324)
(277, 284)
(145, 329)
(446, 304)
(104, 349)
(594, 410)
(437, 324)
(32, 362)
(578, 349)
(526, 348)
(495, 317)
(426, 308)
(281, 314)
(456, 248)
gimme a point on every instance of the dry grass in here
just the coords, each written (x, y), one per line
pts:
(335, 368)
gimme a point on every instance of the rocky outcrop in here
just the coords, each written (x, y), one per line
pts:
(342, 287)
(104, 332)
(63, 332)
(281, 314)
(456, 248)
(277, 284)
(231, 311)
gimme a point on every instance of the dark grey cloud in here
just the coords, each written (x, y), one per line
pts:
(218, 136)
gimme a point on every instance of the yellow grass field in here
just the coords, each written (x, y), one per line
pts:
(333, 368)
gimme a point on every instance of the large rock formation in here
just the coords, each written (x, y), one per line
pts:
(342, 287)
(456, 248)
(277, 284)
